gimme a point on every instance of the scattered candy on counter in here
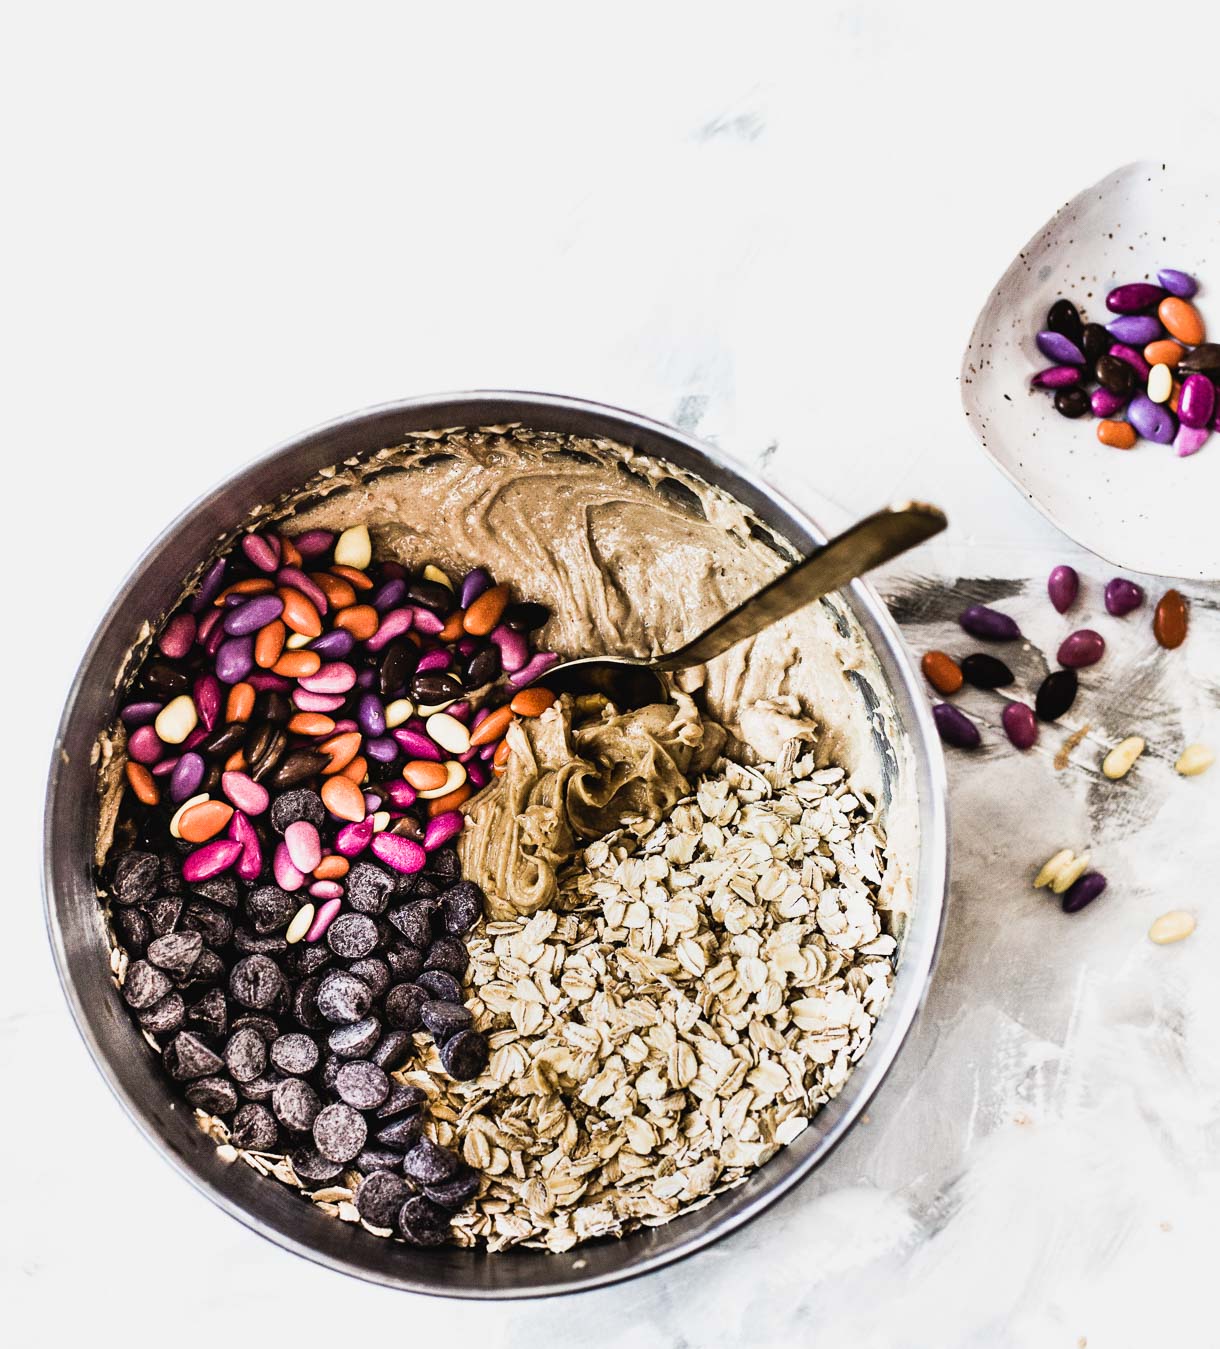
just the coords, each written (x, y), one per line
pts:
(1176, 925)
(1152, 359)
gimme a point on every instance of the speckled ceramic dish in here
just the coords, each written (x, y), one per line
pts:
(1145, 509)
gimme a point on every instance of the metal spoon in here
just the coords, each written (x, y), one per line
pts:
(635, 681)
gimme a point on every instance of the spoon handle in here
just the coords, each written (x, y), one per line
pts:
(867, 544)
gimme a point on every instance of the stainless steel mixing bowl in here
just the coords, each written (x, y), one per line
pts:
(79, 940)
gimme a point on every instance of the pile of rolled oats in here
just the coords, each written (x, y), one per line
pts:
(703, 986)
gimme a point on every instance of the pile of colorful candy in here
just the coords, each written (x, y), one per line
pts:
(1150, 361)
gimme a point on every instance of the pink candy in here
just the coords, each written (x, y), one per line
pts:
(325, 916)
(394, 624)
(245, 793)
(317, 702)
(177, 638)
(403, 854)
(337, 677)
(210, 860)
(425, 621)
(144, 745)
(250, 863)
(442, 828)
(264, 553)
(304, 845)
(287, 876)
(354, 838)
(326, 890)
(514, 651)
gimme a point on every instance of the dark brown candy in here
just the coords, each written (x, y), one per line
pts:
(256, 982)
(135, 878)
(246, 1054)
(986, 672)
(1114, 375)
(296, 768)
(144, 985)
(483, 667)
(1073, 402)
(432, 595)
(527, 616)
(465, 1056)
(1062, 317)
(1203, 360)
(423, 1223)
(339, 1132)
(397, 666)
(342, 998)
(296, 1104)
(254, 1129)
(434, 687)
(380, 1197)
(1056, 694)
(362, 1085)
(295, 1054)
(216, 1095)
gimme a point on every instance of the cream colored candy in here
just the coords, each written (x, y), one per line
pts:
(300, 925)
(1176, 925)
(427, 709)
(181, 811)
(176, 720)
(1160, 383)
(448, 732)
(455, 775)
(1195, 759)
(1121, 759)
(296, 640)
(1062, 871)
(432, 573)
(354, 548)
(381, 821)
(400, 710)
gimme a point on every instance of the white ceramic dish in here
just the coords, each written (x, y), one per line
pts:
(1145, 509)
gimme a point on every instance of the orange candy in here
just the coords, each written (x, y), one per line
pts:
(450, 801)
(311, 723)
(531, 702)
(343, 798)
(453, 628)
(290, 554)
(1164, 352)
(361, 620)
(253, 585)
(142, 783)
(357, 578)
(492, 727)
(342, 750)
(1118, 435)
(204, 821)
(941, 671)
(340, 593)
(1170, 620)
(1181, 319)
(269, 643)
(240, 703)
(236, 762)
(486, 611)
(332, 868)
(300, 613)
(500, 757)
(425, 775)
(357, 770)
(297, 664)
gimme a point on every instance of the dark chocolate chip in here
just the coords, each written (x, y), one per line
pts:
(414, 921)
(250, 943)
(267, 1026)
(220, 890)
(352, 936)
(216, 1095)
(465, 1056)
(260, 1088)
(368, 888)
(312, 1169)
(256, 982)
(342, 998)
(135, 878)
(445, 1019)
(362, 1085)
(144, 985)
(302, 804)
(134, 929)
(461, 907)
(444, 866)
(163, 913)
(380, 1197)
(270, 908)
(213, 924)
(211, 1014)
(254, 1129)
(402, 1132)
(393, 1050)
(355, 1041)
(423, 1223)
(307, 958)
(164, 1017)
(428, 1163)
(374, 971)
(187, 1057)
(295, 1054)
(405, 961)
(305, 1004)
(296, 1104)
(208, 969)
(339, 1132)
(449, 954)
(441, 985)
(402, 1006)
(402, 1100)
(246, 1054)
(456, 1192)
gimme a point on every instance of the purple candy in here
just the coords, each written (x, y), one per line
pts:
(177, 636)
(416, 745)
(425, 621)
(1190, 440)
(144, 745)
(210, 860)
(1063, 585)
(235, 659)
(314, 542)
(261, 681)
(439, 830)
(536, 668)
(139, 714)
(394, 624)
(1135, 359)
(250, 863)
(1134, 297)
(1106, 404)
(1138, 329)
(297, 580)
(1153, 421)
(402, 854)
(1123, 596)
(989, 624)
(474, 583)
(372, 801)
(1080, 648)
(1020, 725)
(187, 775)
(476, 771)
(381, 748)
(486, 751)
(264, 553)
(433, 660)
(401, 793)
(1057, 377)
(366, 679)
(1181, 284)
(390, 594)
(1083, 892)
(1058, 348)
(514, 649)
(461, 710)
(955, 727)
(210, 586)
(287, 877)
(354, 838)
(1197, 401)
(253, 614)
(371, 714)
(333, 645)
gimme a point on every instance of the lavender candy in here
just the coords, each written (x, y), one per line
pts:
(371, 714)
(211, 586)
(389, 595)
(1181, 284)
(1197, 402)
(1137, 329)
(1058, 348)
(187, 775)
(474, 583)
(1190, 440)
(333, 645)
(1083, 892)
(535, 669)
(381, 748)
(1153, 421)
(253, 614)
(955, 727)
(139, 714)
(989, 624)
(1123, 596)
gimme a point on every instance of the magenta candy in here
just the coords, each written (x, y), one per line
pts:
(250, 863)
(1080, 648)
(476, 772)
(980, 621)
(416, 745)
(1057, 377)
(1181, 284)
(439, 830)
(1020, 725)
(314, 542)
(139, 714)
(196, 737)
(402, 854)
(337, 677)
(325, 916)
(514, 649)
(178, 636)
(255, 613)
(433, 660)
(211, 643)
(1137, 329)
(244, 792)
(1123, 596)
(144, 745)
(1106, 404)
(480, 716)
(187, 774)
(209, 587)
(235, 659)
(210, 860)
(395, 624)
(487, 751)
(1134, 297)
(536, 668)
(460, 710)
(1135, 359)
(304, 845)
(354, 838)
(287, 876)
(163, 767)
(264, 553)
(335, 645)
(1190, 440)
(468, 646)
(326, 890)
(1063, 585)
(296, 579)
(401, 793)
(955, 727)
(261, 681)
(1197, 401)
(1058, 348)
(425, 621)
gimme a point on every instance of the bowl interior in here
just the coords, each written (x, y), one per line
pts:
(1146, 509)
(79, 938)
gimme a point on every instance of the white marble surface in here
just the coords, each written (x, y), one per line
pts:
(226, 224)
